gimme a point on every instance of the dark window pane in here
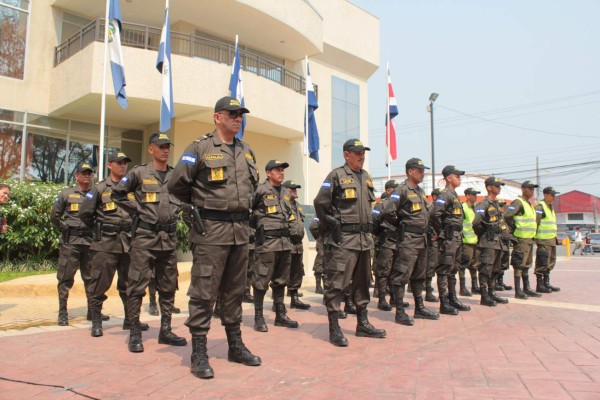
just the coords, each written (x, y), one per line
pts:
(13, 32)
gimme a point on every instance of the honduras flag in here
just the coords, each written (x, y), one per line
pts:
(311, 133)
(392, 112)
(163, 65)
(116, 55)
(236, 87)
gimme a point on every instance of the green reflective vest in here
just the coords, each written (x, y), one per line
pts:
(469, 235)
(525, 226)
(547, 228)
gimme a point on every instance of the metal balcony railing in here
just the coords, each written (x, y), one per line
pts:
(147, 37)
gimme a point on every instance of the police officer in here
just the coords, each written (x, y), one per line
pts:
(318, 263)
(470, 253)
(486, 225)
(521, 219)
(343, 206)
(217, 175)
(111, 226)
(505, 240)
(408, 210)
(433, 249)
(75, 239)
(272, 216)
(154, 213)
(545, 239)
(296, 236)
(446, 218)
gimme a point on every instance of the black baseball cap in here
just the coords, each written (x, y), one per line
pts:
(275, 164)
(451, 170)
(118, 155)
(436, 192)
(471, 191)
(84, 166)
(229, 103)
(355, 145)
(493, 181)
(291, 185)
(159, 138)
(415, 163)
(392, 183)
(529, 185)
(550, 190)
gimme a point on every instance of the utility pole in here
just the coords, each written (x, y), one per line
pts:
(537, 177)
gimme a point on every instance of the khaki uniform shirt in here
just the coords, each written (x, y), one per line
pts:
(408, 206)
(65, 213)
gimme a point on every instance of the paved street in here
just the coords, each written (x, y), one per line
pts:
(547, 348)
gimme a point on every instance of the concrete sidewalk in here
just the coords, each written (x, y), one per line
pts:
(548, 348)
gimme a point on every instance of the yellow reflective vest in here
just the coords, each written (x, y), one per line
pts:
(525, 225)
(469, 235)
(547, 228)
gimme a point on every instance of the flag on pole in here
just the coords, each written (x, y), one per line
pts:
(163, 65)
(116, 55)
(311, 133)
(236, 87)
(392, 112)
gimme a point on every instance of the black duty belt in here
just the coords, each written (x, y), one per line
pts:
(276, 233)
(356, 228)
(168, 228)
(113, 228)
(414, 229)
(79, 232)
(225, 216)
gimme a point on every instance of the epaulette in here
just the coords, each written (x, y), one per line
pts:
(207, 136)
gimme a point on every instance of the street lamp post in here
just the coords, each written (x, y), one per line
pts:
(432, 99)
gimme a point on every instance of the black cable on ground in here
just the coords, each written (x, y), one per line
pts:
(53, 386)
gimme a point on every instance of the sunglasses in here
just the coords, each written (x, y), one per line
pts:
(234, 114)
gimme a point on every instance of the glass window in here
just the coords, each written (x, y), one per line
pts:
(576, 217)
(71, 25)
(10, 150)
(345, 116)
(13, 37)
(47, 162)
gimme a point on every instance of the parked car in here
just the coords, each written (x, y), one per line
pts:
(595, 241)
(560, 236)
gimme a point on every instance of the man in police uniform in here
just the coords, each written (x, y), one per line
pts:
(446, 218)
(75, 239)
(217, 175)
(545, 239)
(505, 239)
(470, 254)
(318, 263)
(272, 217)
(343, 206)
(521, 219)
(433, 249)
(111, 226)
(486, 225)
(154, 213)
(296, 236)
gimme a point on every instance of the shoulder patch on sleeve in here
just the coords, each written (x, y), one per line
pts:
(539, 212)
(440, 201)
(188, 158)
(511, 207)
(89, 195)
(376, 211)
(395, 196)
(480, 211)
(326, 185)
(125, 179)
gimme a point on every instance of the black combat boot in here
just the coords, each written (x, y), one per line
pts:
(89, 315)
(501, 281)
(259, 319)
(281, 318)
(296, 303)
(383, 304)
(217, 309)
(423, 312)
(349, 307)
(135, 337)
(493, 280)
(429, 296)
(238, 352)
(486, 300)
(364, 327)
(456, 303)
(541, 285)
(498, 285)
(318, 288)
(152, 307)
(401, 317)
(474, 282)
(336, 337)
(548, 285)
(463, 288)
(248, 298)
(519, 293)
(63, 316)
(527, 288)
(96, 322)
(166, 336)
(126, 325)
(445, 307)
(199, 363)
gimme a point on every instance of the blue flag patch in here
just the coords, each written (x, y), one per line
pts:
(89, 195)
(326, 185)
(189, 159)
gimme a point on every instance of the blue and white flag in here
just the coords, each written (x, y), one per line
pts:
(236, 87)
(116, 55)
(163, 65)
(313, 133)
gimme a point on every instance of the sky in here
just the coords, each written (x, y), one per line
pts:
(517, 80)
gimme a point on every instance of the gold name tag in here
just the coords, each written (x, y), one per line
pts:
(270, 197)
(346, 181)
(106, 194)
(416, 206)
(110, 206)
(249, 156)
(350, 193)
(150, 181)
(131, 196)
(74, 207)
(151, 197)
(216, 174)
(74, 196)
(213, 157)
(271, 209)
(493, 218)
(456, 211)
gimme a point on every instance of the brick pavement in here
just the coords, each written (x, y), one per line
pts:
(548, 348)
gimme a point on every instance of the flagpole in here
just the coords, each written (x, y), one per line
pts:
(388, 122)
(306, 196)
(103, 107)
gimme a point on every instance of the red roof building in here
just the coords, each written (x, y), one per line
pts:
(577, 208)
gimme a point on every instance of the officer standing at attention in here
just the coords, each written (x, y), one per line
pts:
(75, 239)
(487, 226)
(447, 221)
(469, 258)
(272, 217)
(343, 206)
(521, 219)
(318, 263)
(217, 175)
(154, 213)
(296, 236)
(111, 226)
(505, 239)
(433, 249)
(545, 239)
(408, 210)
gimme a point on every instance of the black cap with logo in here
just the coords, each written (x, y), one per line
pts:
(84, 166)
(529, 185)
(354, 145)
(451, 170)
(493, 181)
(275, 164)
(118, 155)
(291, 185)
(471, 191)
(436, 192)
(392, 183)
(415, 163)
(229, 103)
(550, 190)
(159, 138)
